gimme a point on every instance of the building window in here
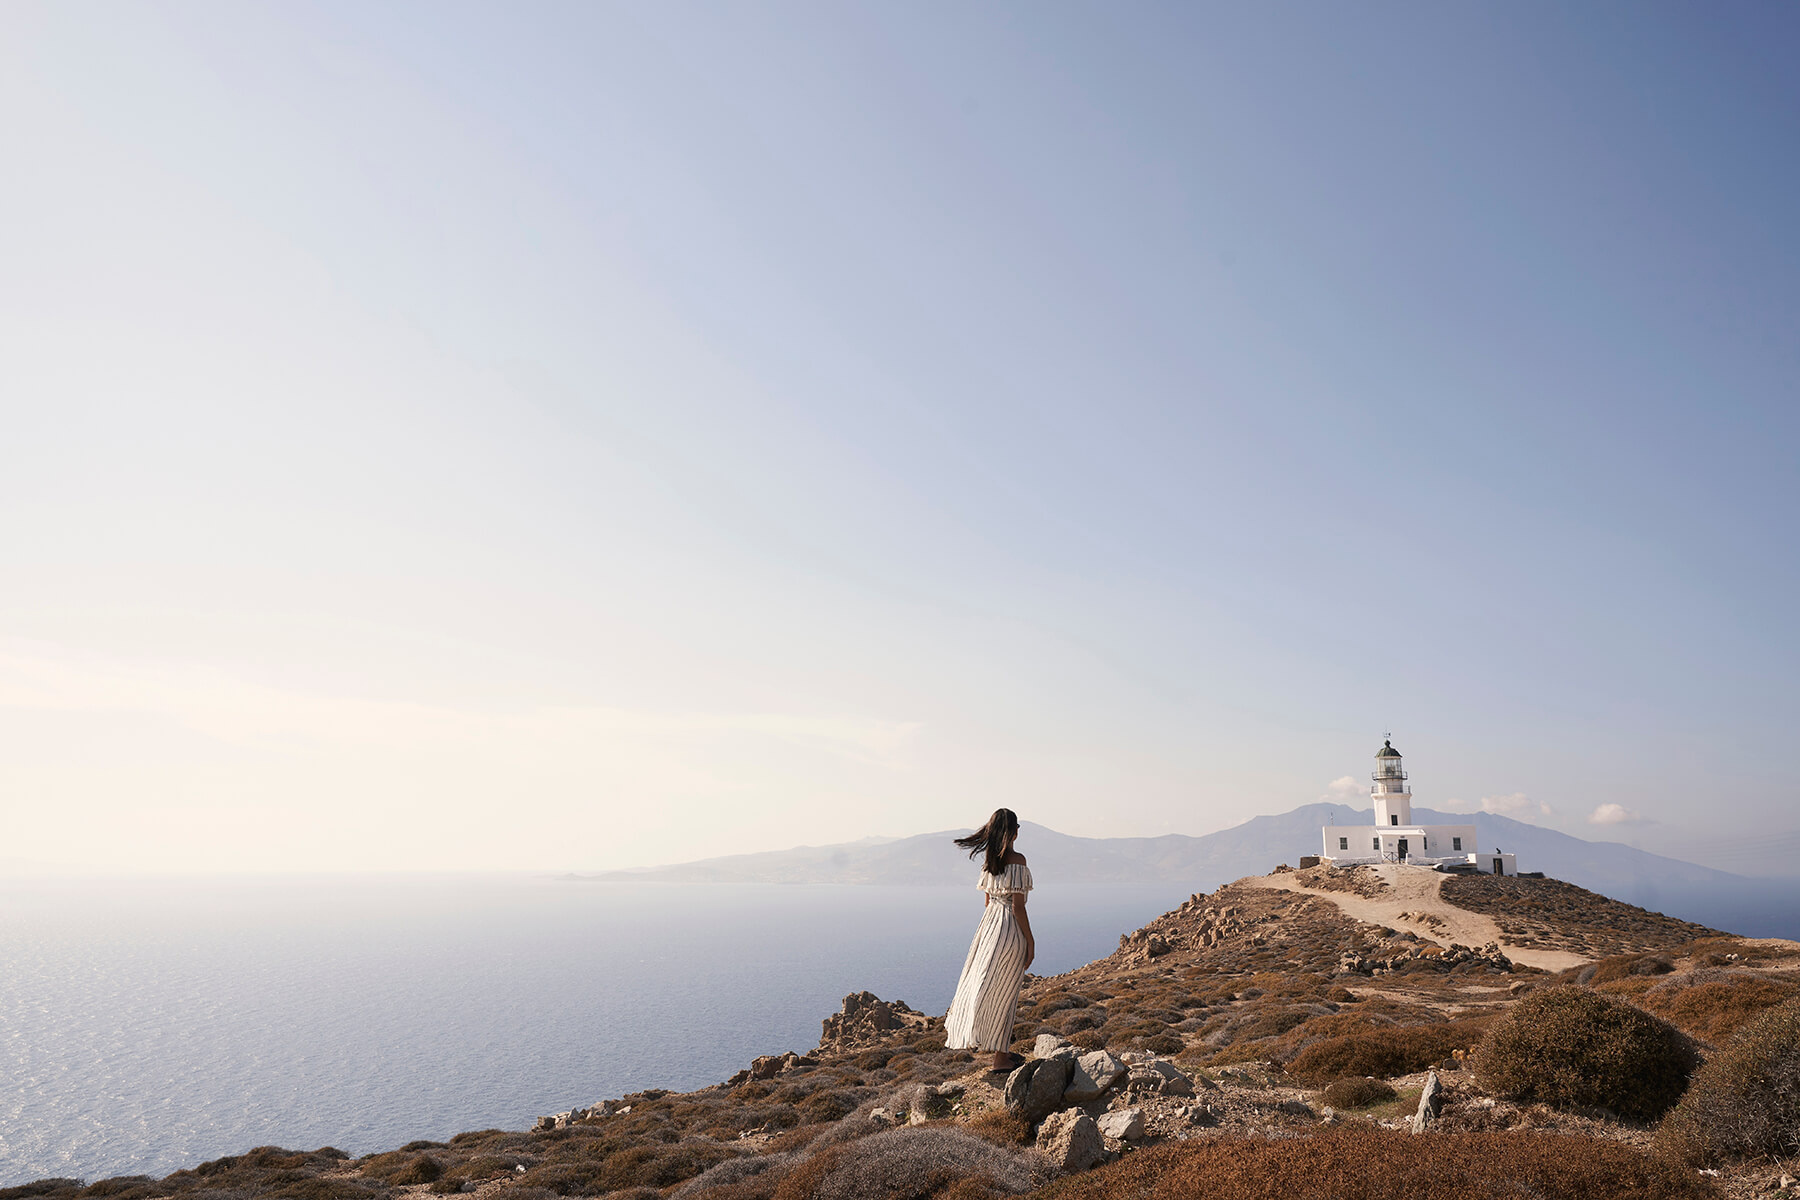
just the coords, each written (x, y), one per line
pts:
(1343, 843)
(1424, 843)
(1377, 842)
(1393, 818)
(1456, 843)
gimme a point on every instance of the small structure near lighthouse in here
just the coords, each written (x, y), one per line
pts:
(1394, 838)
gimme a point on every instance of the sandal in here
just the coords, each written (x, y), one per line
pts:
(1013, 1063)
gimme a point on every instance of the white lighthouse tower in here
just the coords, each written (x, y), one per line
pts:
(1392, 794)
(1394, 838)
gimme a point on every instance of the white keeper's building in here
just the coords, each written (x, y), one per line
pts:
(1394, 838)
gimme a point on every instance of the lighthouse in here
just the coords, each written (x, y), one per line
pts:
(1393, 798)
(1394, 838)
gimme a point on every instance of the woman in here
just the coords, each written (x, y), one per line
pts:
(987, 997)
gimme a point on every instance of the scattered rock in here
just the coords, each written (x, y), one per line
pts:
(771, 1065)
(1124, 1125)
(1162, 1077)
(864, 1020)
(1047, 1044)
(1071, 1140)
(1489, 956)
(1431, 1103)
(882, 1116)
(1095, 1073)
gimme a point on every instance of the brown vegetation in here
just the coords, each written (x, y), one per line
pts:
(915, 1164)
(1746, 1100)
(1380, 1164)
(1387, 1052)
(1709, 1003)
(1574, 1048)
(1357, 1091)
(1561, 916)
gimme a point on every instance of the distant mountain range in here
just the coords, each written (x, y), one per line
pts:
(1718, 898)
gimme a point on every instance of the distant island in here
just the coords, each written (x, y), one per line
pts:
(1636, 876)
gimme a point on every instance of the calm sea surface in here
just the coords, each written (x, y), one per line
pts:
(149, 1025)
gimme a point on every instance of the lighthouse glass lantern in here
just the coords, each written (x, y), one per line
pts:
(1389, 775)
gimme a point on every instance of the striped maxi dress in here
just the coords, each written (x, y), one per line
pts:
(987, 996)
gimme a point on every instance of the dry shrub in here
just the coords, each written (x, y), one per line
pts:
(402, 1169)
(798, 1138)
(483, 1138)
(1057, 1002)
(1385, 1052)
(58, 1188)
(1623, 966)
(753, 1177)
(914, 1164)
(1382, 1164)
(123, 1187)
(831, 1105)
(857, 1125)
(1083, 1018)
(657, 1165)
(1574, 1048)
(1357, 1091)
(1712, 1004)
(1001, 1126)
(1089, 1039)
(1746, 1100)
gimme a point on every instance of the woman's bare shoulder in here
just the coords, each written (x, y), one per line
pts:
(1013, 856)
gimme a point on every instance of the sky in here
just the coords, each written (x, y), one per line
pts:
(442, 436)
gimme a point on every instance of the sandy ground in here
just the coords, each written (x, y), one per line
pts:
(1416, 890)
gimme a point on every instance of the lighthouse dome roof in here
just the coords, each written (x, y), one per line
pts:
(1387, 751)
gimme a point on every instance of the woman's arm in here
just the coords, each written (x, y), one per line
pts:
(1018, 903)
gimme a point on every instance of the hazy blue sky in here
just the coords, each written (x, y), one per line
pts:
(532, 435)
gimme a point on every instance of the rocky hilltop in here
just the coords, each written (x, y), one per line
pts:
(1366, 1032)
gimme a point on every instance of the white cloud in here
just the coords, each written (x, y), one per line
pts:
(1345, 789)
(1614, 814)
(1514, 804)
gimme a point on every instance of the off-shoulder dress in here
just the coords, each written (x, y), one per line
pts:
(987, 996)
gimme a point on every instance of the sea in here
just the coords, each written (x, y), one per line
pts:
(151, 1024)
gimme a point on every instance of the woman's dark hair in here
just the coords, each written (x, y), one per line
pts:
(994, 837)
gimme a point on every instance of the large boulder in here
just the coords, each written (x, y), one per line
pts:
(1019, 1083)
(1048, 1044)
(1035, 1090)
(1071, 1140)
(1095, 1073)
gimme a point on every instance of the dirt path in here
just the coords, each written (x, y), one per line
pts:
(1417, 890)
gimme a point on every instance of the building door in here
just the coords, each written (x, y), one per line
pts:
(1499, 866)
(1402, 854)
